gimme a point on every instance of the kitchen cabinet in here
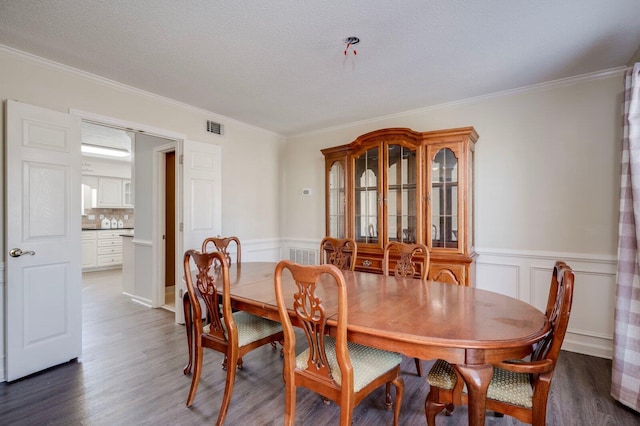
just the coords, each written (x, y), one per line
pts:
(102, 249)
(89, 193)
(89, 249)
(109, 192)
(127, 193)
(401, 185)
(109, 248)
(106, 192)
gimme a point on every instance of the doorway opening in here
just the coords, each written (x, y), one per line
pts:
(154, 189)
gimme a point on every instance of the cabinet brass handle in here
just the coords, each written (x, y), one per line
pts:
(366, 262)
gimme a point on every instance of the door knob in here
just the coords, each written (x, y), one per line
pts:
(16, 252)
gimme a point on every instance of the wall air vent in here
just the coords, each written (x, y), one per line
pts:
(303, 256)
(213, 127)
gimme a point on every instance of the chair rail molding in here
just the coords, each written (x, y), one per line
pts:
(262, 250)
(524, 276)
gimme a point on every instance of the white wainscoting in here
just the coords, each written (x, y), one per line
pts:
(519, 274)
(266, 250)
(526, 276)
(143, 276)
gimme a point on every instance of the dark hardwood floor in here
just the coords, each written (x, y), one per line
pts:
(130, 373)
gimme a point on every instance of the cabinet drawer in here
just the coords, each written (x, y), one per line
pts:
(89, 235)
(110, 250)
(110, 243)
(109, 234)
(365, 263)
(110, 259)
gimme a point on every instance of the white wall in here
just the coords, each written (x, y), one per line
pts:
(251, 165)
(547, 179)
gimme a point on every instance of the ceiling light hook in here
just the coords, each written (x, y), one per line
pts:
(349, 42)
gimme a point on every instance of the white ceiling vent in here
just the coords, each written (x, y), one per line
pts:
(213, 127)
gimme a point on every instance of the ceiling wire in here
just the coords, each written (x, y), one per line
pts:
(349, 42)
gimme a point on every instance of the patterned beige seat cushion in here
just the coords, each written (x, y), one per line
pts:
(252, 327)
(506, 386)
(368, 363)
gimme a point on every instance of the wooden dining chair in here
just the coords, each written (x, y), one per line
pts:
(411, 259)
(519, 388)
(221, 244)
(232, 333)
(338, 370)
(341, 252)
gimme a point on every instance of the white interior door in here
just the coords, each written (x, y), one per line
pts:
(201, 203)
(43, 296)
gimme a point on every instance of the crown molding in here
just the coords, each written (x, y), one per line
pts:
(520, 90)
(125, 88)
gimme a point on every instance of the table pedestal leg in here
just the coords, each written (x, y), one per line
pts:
(477, 378)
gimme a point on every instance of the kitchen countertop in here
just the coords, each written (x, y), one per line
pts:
(105, 229)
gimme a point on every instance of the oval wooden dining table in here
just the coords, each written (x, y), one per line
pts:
(468, 327)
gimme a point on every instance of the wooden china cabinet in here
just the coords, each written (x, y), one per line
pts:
(401, 185)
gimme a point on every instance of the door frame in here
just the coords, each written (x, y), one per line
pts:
(159, 200)
(179, 139)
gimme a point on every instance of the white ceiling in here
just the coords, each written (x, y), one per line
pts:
(280, 65)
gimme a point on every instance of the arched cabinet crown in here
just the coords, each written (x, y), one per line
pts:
(401, 185)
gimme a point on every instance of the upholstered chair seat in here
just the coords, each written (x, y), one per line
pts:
(251, 328)
(368, 363)
(506, 386)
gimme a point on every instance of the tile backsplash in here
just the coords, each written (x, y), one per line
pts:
(117, 214)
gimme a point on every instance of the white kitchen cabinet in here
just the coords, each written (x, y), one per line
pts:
(102, 249)
(127, 193)
(109, 192)
(89, 249)
(109, 248)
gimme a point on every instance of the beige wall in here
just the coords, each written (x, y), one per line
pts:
(547, 184)
(547, 166)
(251, 166)
(547, 178)
(250, 156)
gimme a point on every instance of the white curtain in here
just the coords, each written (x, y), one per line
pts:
(625, 377)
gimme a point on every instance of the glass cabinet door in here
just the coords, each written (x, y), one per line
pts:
(336, 200)
(444, 199)
(401, 198)
(367, 196)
